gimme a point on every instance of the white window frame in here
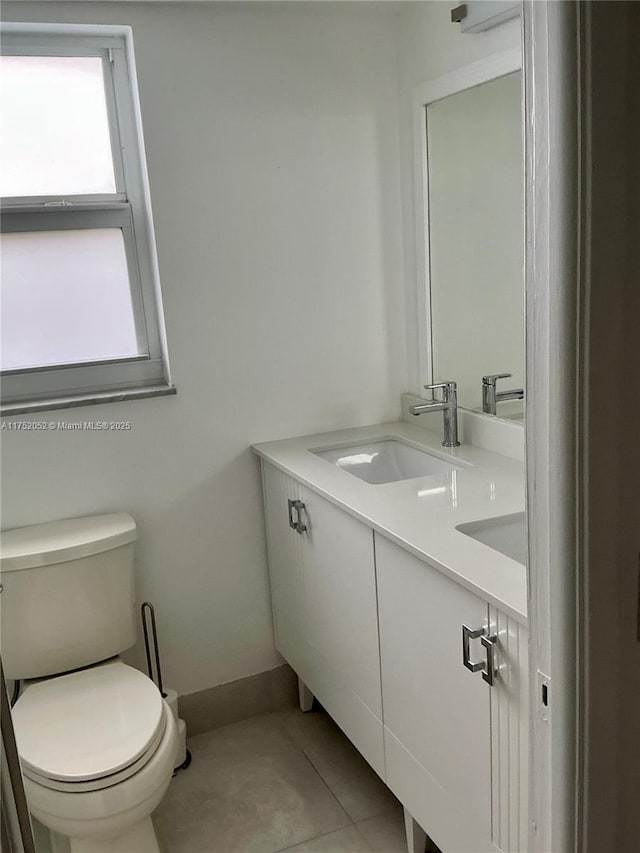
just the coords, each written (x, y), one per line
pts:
(129, 209)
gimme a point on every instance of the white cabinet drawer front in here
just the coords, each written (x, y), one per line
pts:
(435, 707)
(342, 618)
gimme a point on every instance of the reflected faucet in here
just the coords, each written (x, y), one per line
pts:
(491, 396)
(449, 408)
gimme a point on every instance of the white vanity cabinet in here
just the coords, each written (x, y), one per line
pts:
(323, 591)
(368, 626)
(455, 745)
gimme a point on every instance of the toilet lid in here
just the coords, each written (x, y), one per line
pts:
(87, 724)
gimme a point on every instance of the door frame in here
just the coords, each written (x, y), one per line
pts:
(17, 834)
(583, 454)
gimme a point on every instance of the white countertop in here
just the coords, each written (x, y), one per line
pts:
(421, 514)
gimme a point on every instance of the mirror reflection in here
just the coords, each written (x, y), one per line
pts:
(476, 244)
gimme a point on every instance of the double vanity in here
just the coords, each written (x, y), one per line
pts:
(399, 598)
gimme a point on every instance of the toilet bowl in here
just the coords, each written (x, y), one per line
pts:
(96, 740)
(98, 748)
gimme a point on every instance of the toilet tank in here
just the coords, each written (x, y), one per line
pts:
(67, 596)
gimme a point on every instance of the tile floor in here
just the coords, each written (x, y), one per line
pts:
(282, 781)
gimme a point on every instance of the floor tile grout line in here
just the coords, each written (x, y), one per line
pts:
(354, 820)
(316, 771)
(319, 775)
(324, 835)
(354, 823)
(310, 760)
(334, 797)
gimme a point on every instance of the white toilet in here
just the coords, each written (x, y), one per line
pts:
(96, 740)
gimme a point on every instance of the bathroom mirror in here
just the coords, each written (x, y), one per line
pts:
(472, 167)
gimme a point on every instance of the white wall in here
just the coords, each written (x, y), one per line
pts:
(273, 152)
(430, 46)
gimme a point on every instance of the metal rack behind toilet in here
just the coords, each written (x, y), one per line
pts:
(148, 617)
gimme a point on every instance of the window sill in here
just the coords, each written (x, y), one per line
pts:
(73, 402)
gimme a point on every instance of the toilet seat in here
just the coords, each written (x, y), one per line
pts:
(101, 782)
(89, 729)
(112, 811)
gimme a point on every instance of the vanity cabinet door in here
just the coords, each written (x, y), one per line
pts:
(436, 711)
(342, 622)
(286, 566)
(323, 593)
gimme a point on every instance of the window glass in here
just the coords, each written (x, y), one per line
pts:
(55, 128)
(65, 298)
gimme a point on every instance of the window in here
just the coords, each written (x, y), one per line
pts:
(80, 298)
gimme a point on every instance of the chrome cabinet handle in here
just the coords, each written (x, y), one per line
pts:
(489, 672)
(467, 635)
(296, 524)
(488, 665)
(292, 523)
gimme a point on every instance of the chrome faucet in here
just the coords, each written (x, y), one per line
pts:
(449, 408)
(491, 396)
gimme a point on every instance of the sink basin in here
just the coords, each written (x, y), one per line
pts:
(506, 534)
(385, 461)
